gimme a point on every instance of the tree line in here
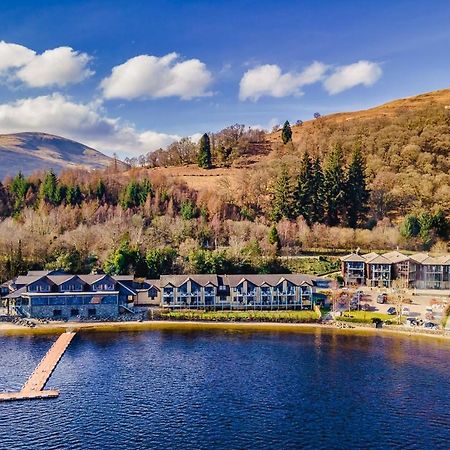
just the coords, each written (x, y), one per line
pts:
(323, 191)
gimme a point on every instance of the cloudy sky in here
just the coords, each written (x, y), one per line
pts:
(132, 76)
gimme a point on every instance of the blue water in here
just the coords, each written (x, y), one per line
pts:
(230, 390)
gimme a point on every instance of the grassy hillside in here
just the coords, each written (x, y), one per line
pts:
(406, 144)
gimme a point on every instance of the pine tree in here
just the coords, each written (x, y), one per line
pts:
(357, 192)
(204, 152)
(100, 190)
(317, 195)
(282, 197)
(286, 133)
(274, 238)
(304, 189)
(19, 187)
(50, 191)
(334, 187)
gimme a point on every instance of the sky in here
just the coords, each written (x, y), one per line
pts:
(132, 76)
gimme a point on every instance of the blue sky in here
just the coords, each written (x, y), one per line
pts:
(130, 76)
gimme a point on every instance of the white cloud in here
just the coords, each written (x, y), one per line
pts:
(14, 55)
(268, 80)
(86, 123)
(57, 67)
(60, 66)
(346, 77)
(147, 76)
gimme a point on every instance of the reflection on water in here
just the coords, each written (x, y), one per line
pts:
(230, 389)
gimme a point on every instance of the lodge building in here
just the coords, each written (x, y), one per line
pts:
(419, 270)
(290, 291)
(58, 295)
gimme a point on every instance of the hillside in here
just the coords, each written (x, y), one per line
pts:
(30, 152)
(388, 111)
(406, 144)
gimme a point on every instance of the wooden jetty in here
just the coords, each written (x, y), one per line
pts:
(34, 387)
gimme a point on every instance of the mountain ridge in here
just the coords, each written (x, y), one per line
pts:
(34, 151)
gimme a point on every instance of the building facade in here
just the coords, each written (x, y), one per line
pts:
(63, 296)
(291, 291)
(419, 271)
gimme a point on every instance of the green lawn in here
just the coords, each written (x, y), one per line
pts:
(241, 316)
(365, 317)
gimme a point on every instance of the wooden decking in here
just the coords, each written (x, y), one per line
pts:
(34, 387)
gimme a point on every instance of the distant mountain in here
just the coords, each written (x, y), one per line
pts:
(30, 152)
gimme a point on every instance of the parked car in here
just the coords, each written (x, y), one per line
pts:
(405, 311)
(411, 322)
(430, 326)
(382, 298)
(391, 311)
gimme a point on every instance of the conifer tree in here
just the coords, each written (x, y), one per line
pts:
(317, 193)
(282, 197)
(73, 195)
(50, 191)
(357, 192)
(99, 191)
(204, 152)
(19, 187)
(304, 190)
(286, 133)
(334, 187)
(274, 238)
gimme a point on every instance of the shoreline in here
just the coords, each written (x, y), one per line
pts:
(7, 329)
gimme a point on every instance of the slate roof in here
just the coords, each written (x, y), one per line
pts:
(396, 257)
(202, 280)
(379, 260)
(352, 257)
(270, 279)
(369, 256)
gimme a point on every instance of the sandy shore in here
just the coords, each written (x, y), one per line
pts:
(60, 327)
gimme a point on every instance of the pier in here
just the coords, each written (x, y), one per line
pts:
(34, 387)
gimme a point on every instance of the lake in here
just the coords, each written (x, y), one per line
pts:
(230, 390)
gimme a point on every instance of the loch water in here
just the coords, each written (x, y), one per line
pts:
(219, 389)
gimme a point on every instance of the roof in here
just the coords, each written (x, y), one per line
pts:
(23, 280)
(17, 293)
(445, 259)
(235, 280)
(379, 260)
(92, 278)
(353, 257)
(202, 280)
(270, 279)
(369, 256)
(419, 257)
(123, 277)
(60, 279)
(396, 257)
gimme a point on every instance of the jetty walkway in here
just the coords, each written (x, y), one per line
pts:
(34, 387)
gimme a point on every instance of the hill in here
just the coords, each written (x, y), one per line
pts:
(406, 144)
(30, 152)
(388, 111)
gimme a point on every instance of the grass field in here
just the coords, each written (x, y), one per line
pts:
(365, 317)
(242, 316)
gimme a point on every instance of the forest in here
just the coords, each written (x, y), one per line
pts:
(325, 189)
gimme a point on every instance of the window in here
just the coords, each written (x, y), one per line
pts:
(40, 301)
(56, 301)
(57, 313)
(74, 312)
(92, 312)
